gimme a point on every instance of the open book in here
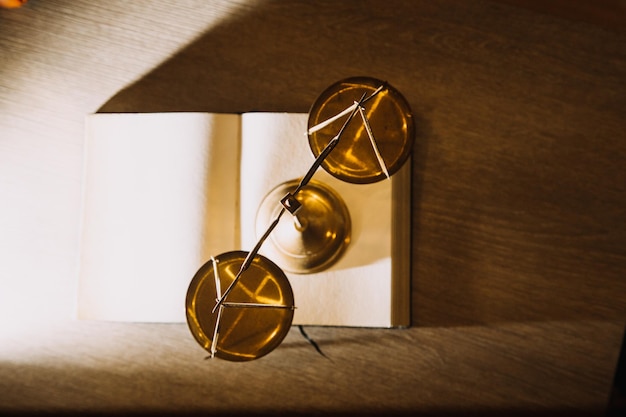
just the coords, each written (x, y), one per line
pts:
(165, 191)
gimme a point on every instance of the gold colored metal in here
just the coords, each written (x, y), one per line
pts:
(240, 305)
(356, 158)
(255, 317)
(315, 237)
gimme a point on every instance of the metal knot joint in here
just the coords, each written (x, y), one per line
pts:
(290, 203)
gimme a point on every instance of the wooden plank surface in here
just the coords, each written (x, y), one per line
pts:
(519, 199)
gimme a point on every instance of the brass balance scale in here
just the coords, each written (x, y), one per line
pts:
(240, 305)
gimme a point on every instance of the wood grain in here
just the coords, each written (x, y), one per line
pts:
(519, 199)
(610, 14)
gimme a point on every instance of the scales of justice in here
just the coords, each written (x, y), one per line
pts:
(240, 305)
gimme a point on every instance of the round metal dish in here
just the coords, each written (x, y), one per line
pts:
(254, 318)
(354, 158)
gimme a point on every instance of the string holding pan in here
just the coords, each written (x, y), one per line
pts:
(360, 156)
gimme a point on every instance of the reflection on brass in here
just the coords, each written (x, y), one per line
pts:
(257, 315)
(315, 236)
(357, 158)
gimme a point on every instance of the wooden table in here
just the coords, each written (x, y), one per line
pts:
(519, 199)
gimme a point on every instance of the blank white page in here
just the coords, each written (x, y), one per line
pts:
(160, 197)
(357, 289)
